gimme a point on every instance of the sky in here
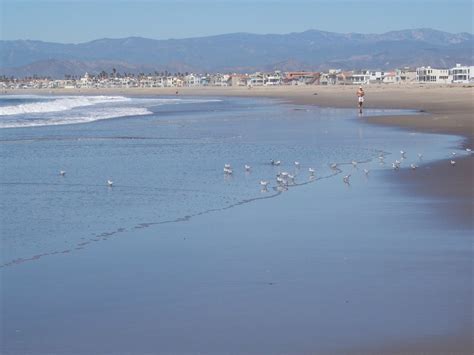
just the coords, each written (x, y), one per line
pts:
(74, 21)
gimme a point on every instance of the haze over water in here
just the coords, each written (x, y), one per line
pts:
(165, 157)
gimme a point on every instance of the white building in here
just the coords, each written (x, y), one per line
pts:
(432, 75)
(376, 77)
(192, 80)
(462, 74)
(406, 75)
(390, 77)
(273, 79)
(360, 78)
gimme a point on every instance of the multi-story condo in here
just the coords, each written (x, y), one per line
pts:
(462, 74)
(432, 75)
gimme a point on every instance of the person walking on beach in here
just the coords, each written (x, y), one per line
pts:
(360, 94)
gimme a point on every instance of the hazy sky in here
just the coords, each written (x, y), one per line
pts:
(84, 20)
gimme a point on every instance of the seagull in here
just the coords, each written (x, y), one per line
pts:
(311, 171)
(297, 164)
(346, 178)
(381, 158)
(276, 163)
(227, 166)
(228, 171)
(469, 150)
(366, 171)
(402, 153)
(291, 178)
(284, 174)
(420, 156)
(395, 166)
(334, 166)
(264, 184)
(453, 154)
(413, 166)
(453, 163)
(398, 162)
(62, 173)
(354, 163)
(280, 180)
(247, 167)
(110, 183)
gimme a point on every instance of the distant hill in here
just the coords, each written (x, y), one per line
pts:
(239, 52)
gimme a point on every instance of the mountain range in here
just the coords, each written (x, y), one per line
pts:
(239, 52)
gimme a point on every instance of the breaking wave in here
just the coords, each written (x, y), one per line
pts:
(59, 104)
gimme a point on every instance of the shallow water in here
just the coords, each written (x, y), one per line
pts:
(178, 249)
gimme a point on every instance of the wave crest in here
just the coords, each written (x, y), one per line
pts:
(59, 104)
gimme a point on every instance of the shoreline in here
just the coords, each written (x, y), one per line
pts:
(449, 110)
(452, 186)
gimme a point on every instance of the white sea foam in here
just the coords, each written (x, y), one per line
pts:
(63, 103)
(60, 110)
(90, 116)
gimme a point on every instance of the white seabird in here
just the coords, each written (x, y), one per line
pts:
(346, 178)
(62, 173)
(413, 166)
(110, 183)
(264, 183)
(366, 171)
(311, 171)
(247, 167)
(453, 162)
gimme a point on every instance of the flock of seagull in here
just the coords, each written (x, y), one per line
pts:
(284, 179)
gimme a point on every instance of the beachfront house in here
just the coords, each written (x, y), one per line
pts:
(360, 77)
(376, 77)
(462, 74)
(86, 81)
(256, 79)
(390, 77)
(238, 79)
(344, 78)
(274, 78)
(405, 75)
(302, 78)
(192, 80)
(220, 80)
(432, 75)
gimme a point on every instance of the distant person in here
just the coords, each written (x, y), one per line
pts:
(360, 94)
